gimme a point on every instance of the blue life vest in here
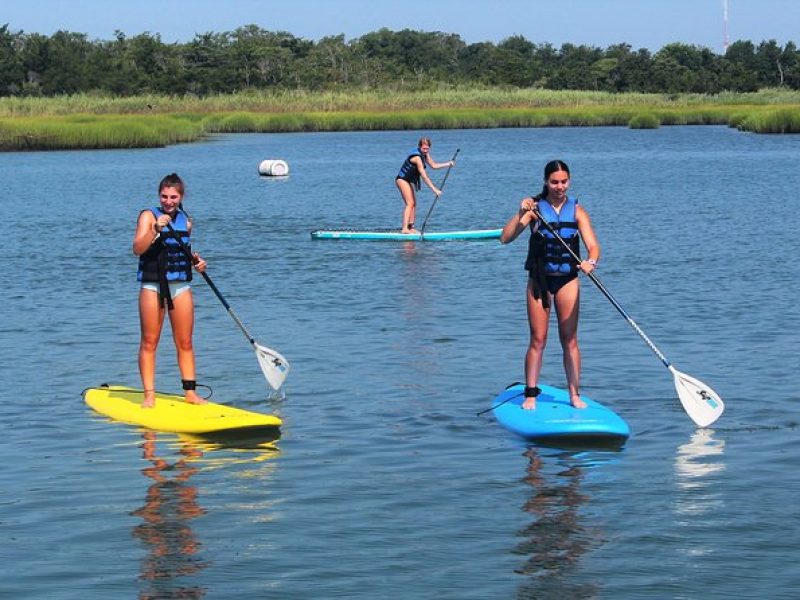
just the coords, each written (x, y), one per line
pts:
(408, 170)
(545, 249)
(165, 261)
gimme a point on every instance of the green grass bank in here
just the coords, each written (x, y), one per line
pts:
(93, 122)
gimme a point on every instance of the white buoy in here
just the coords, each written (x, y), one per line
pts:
(273, 168)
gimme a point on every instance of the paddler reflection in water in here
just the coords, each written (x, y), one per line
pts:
(165, 273)
(170, 506)
(557, 539)
(407, 180)
(553, 275)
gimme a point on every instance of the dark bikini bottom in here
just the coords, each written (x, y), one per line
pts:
(556, 282)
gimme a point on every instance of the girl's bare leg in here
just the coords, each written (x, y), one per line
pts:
(410, 200)
(538, 320)
(567, 303)
(151, 316)
(182, 320)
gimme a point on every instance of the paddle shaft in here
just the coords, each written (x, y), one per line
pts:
(441, 188)
(605, 292)
(213, 287)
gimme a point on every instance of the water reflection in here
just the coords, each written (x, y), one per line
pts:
(409, 250)
(696, 463)
(556, 539)
(698, 501)
(172, 503)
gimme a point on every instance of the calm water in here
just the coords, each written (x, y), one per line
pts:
(384, 482)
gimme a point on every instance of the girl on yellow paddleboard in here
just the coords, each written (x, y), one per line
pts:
(165, 272)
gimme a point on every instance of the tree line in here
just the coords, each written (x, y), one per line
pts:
(251, 58)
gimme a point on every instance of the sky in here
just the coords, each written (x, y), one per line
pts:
(647, 24)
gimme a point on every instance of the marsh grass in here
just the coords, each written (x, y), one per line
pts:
(95, 131)
(782, 120)
(644, 121)
(91, 121)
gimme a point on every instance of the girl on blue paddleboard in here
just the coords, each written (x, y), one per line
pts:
(553, 274)
(165, 272)
(407, 180)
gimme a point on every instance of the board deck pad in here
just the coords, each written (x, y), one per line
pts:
(172, 414)
(554, 418)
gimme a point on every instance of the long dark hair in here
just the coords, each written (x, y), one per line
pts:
(550, 168)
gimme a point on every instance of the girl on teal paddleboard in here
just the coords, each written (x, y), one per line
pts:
(407, 180)
(165, 272)
(553, 274)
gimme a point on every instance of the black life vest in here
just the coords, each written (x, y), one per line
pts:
(409, 171)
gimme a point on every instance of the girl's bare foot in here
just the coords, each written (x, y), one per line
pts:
(530, 392)
(149, 399)
(577, 402)
(191, 397)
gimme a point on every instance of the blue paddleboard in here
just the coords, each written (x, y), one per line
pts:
(394, 235)
(554, 419)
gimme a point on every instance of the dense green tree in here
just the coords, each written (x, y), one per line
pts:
(11, 71)
(67, 69)
(790, 61)
(574, 70)
(330, 63)
(253, 58)
(631, 72)
(478, 63)
(415, 55)
(685, 68)
(738, 69)
(34, 55)
(517, 62)
(767, 63)
(140, 64)
(207, 66)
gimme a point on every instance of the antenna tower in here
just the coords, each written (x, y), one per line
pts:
(725, 41)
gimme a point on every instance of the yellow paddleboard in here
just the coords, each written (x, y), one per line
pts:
(171, 413)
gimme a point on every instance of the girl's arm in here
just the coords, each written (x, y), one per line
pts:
(589, 240)
(146, 233)
(198, 261)
(435, 165)
(420, 164)
(518, 222)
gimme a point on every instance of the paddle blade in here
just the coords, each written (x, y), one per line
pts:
(701, 403)
(274, 366)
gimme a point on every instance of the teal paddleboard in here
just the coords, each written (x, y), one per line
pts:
(554, 419)
(394, 235)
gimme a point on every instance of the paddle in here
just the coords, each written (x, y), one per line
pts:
(701, 403)
(441, 189)
(274, 366)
